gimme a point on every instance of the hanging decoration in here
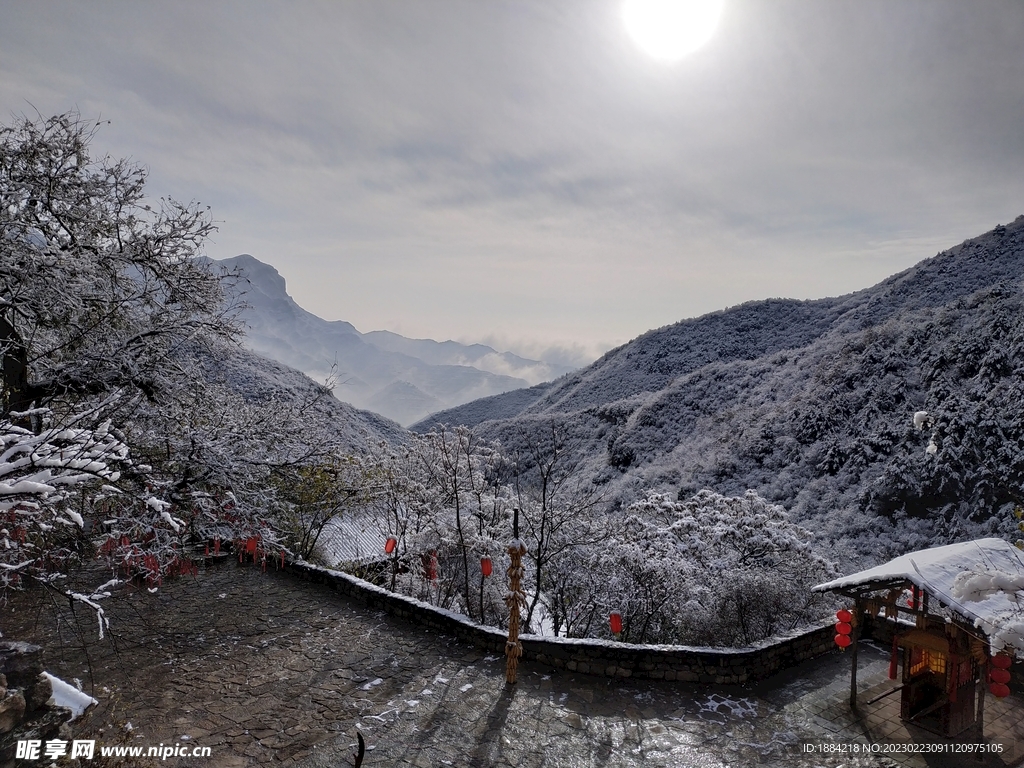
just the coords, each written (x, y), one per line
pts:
(999, 690)
(999, 676)
(616, 623)
(1002, 661)
(429, 561)
(843, 628)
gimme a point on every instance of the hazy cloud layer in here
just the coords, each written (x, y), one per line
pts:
(519, 171)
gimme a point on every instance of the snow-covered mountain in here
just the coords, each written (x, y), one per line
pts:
(403, 379)
(811, 404)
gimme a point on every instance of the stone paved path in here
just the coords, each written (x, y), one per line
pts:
(269, 670)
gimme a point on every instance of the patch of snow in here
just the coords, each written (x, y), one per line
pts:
(718, 704)
(66, 695)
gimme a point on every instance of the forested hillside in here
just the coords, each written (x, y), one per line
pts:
(812, 405)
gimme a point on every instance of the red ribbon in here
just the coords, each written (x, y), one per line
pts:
(892, 660)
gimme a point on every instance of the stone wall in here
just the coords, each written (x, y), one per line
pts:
(596, 657)
(24, 691)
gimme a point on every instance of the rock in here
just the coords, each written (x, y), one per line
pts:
(52, 724)
(12, 711)
(37, 694)
(20, 663)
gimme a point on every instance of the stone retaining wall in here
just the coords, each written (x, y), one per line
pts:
(596, 657)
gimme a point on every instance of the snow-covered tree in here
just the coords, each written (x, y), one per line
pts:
(46, 481)
(711, 570)
(119, 349)
(562, 511)
(99, 287)
(441, 496)
(315, 493)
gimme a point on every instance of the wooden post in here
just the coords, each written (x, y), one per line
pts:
(858, 619)
(982, 688)
(515, 600)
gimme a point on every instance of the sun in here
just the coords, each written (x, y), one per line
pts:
(670, 29)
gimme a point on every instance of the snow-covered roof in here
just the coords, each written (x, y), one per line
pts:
(982, 580)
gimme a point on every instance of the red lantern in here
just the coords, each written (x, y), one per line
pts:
(390, 544)
(999, 690)
(999, 676)
(1001, 661)
(616, 622)
(843, 628)
(485, 566)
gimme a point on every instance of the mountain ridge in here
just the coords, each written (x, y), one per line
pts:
(727, 328)
(403, 379)
(811, 403)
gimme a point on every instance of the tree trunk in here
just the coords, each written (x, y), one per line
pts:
(15, 369)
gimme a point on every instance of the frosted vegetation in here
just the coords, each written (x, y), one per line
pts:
(133, 425)
(137, 432)
(710, 570)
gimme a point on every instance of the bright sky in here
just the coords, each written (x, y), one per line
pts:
(520, 172)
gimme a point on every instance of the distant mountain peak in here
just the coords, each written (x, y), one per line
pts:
(403, 379)
(260, 274)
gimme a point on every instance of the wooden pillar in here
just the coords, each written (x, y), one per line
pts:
(981, 687)
(858, 620)
(515, 600)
